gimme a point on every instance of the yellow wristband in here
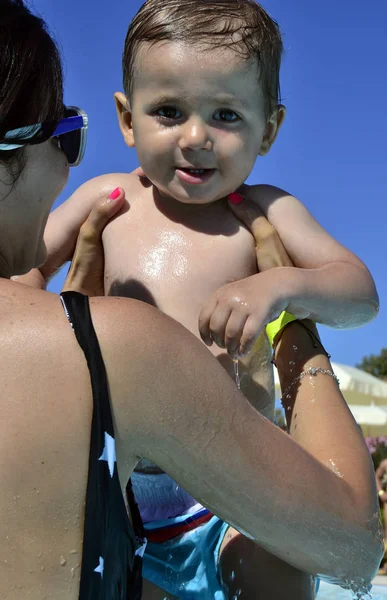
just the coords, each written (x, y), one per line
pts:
(273, 328)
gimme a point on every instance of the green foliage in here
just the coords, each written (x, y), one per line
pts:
(280, 418)
(376, 364)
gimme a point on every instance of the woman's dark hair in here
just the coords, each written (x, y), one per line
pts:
(31, 81)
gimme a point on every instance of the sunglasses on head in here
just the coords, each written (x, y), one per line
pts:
(71, 133)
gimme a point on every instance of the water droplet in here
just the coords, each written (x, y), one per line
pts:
(291, 362)
(295, 348)
(73, 552)
(63, 561)
(74, 569)
(232, 576)
(360, 590)
(335, 468)
(236, 373)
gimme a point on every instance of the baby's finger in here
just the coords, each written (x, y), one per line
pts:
(218, 322)
(251, 331)
(234, 331)
(204, 320)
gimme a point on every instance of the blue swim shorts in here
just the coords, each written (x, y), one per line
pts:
(186, 565)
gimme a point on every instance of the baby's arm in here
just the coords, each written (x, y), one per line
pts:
(331, 285)
(64, 223)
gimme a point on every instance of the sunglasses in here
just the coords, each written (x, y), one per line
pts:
(71, 132)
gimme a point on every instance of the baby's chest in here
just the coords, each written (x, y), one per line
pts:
(169, 264)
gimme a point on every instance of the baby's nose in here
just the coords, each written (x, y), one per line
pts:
(195, 136)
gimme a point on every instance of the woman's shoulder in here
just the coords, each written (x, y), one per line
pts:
(40, 316)
(118, 321)
(44, 369)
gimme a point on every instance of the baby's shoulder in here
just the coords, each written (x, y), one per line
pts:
(262, 192)
(104, 184)
(270, 198)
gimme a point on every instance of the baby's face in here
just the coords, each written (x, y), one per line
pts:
(198, 120)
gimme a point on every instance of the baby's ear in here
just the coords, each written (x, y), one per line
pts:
(272, 129)
(124, 118)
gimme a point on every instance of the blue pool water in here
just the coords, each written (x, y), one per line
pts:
(333, 592)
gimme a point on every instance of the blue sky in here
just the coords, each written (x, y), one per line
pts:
(331, 152)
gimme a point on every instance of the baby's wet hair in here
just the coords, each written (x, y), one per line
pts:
(241, 25)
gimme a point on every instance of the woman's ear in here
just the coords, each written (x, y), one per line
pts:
(272, 128)
(124, 116)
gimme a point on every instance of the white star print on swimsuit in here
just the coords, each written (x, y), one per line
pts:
(100, 567)
(109, 453)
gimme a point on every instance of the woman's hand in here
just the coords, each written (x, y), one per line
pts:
(86, 273)
(269, 248)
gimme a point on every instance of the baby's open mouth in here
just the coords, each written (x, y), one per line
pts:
(191, 175)
(195, 171)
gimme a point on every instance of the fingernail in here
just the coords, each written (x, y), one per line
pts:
(235, 198)
(115, 193)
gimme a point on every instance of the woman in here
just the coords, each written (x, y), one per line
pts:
(309, 500)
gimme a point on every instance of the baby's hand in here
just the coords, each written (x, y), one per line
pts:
(236, 314)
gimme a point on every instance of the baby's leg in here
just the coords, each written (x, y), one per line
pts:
(250, 572)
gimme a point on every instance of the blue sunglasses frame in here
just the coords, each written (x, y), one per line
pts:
(41, 132)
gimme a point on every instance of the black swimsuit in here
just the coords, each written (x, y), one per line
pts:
(112, 548)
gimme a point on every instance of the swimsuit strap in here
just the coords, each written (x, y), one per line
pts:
(112, 548)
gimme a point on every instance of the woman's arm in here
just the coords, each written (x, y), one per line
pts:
(190, 419)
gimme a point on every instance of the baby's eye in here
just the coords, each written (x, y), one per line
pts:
(227, 115)
(168, 112)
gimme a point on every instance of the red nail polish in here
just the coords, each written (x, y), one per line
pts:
(115, 193)
(235, 198)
